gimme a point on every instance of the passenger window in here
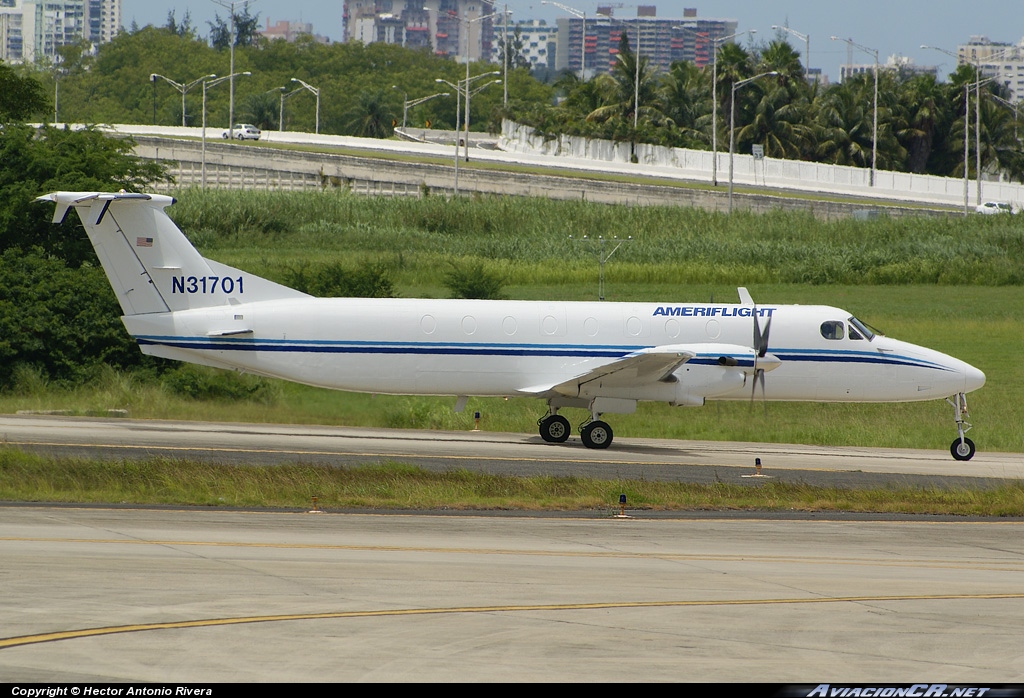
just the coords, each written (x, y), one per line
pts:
(832, 330)
(854, 334)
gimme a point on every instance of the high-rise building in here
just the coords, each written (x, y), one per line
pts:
(104, 19)
(894, 64)
(538, 37)
(290, 31)
(663, 40)
(457, 28)
(33, 30)
(1004, 62)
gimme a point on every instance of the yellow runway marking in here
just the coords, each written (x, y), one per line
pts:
(114, 630)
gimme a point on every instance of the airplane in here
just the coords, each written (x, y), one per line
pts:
(602, 357)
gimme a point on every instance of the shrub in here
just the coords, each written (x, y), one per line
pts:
(472, 280)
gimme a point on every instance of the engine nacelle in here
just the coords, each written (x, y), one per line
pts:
(695, 382)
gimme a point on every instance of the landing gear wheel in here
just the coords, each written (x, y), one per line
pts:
(962, 450)
(596, 434)
(554, 429)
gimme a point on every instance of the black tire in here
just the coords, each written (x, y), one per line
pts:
(596, 434)
(555, 429)
(224, 135)
(962, 451)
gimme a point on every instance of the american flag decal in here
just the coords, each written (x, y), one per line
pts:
(143, 242)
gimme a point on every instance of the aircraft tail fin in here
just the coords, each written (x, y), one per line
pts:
(150, 264)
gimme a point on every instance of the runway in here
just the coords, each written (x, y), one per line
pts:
(101, 595)
(521, 454)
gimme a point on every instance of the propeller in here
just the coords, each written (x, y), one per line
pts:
(760, 350)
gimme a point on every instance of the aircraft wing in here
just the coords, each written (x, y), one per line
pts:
(644, 366)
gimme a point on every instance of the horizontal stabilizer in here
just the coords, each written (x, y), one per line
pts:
(150, 264)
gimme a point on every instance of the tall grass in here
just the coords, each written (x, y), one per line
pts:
(539, 241)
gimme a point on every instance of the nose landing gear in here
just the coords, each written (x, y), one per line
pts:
(962, 448)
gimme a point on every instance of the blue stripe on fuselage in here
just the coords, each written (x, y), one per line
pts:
(531, 350)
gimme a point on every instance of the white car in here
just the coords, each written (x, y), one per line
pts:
(244, 132)
(993, 207)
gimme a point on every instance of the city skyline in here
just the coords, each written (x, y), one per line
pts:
(898, 28)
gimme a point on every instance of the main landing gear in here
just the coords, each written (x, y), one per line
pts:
(962, 448)
(554, 428)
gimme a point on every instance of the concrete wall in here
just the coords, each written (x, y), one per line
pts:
(247, 166)
(793, 175)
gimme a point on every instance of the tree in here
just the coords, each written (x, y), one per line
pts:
(262, 110)
(636, 99)
(919, 110)
(35, 161)
(20, 97)
(777, 123)
(371, 115)
(58, 322)
(516, 59)
(185, 29)
(246, 30)
(686, 97)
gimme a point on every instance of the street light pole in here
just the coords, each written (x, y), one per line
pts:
(714, 100)
(807, 43)
(469, 23)
(458, 103)
(285, 95)
(874, 129)
(967, 121)
(230, 6)
(732, 124)
(468, 93)
(206, 85)
(183, 88)
(415, 102)
(316, 91)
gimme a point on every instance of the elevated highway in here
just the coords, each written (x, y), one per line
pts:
(390, 167)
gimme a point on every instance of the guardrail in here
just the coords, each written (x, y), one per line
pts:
(252, 166)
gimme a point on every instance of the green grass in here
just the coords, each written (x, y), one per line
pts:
(25, 477)
(536, 242)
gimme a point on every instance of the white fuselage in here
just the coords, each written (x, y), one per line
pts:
(505, 348)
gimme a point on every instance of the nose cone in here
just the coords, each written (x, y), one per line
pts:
(973, 378)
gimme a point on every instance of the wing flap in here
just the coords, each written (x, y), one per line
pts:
(641, 367)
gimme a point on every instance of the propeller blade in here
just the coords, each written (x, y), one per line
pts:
(757, 333)
(763, 349)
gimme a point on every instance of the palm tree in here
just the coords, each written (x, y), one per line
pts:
(734, 64)
(843, 123)
(685, 94)
(261, 110)
(783, 59)
(371, 116)
(636, 98)
(918, 110)
(777, 123)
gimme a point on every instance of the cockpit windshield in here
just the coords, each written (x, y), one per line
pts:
(863, 328)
